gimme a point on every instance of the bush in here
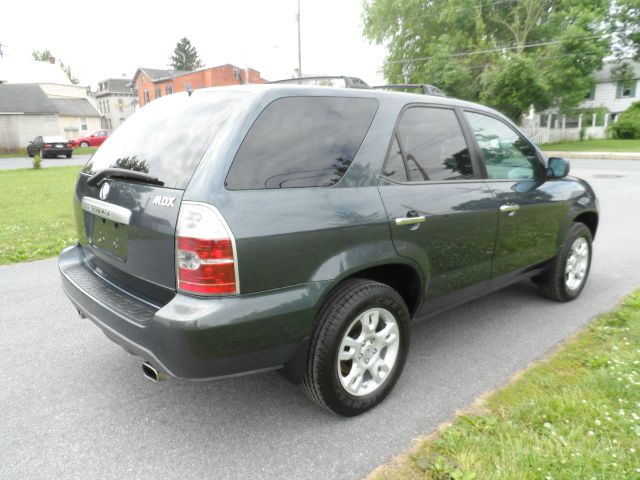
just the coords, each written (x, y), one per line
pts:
(628, 125)
(37, 161)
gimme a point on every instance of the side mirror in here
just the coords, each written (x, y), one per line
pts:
(557, 167)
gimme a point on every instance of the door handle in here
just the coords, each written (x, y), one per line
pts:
(410, 220)
(512, 207)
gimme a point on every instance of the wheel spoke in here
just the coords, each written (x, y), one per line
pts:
(353, 381)
(388, 335)
(370, 321)
(379, 371)
(347, 349)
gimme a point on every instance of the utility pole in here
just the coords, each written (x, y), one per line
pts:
(299, 44)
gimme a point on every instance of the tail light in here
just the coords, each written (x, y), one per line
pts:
(206, 261)
(47, 145)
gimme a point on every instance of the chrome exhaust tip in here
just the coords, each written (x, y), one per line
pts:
(151, 373)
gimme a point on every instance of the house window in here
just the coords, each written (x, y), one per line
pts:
(158, 92)
(591, 94)
(146, 97)
(83, 123)
(142, 79)
(236, 74)
(168, 89)
(626, 89)
(120, 105)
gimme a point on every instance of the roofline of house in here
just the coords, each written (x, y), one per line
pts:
(171, 77)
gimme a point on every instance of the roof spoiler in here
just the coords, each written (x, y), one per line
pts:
(424, 88)
(327, 81)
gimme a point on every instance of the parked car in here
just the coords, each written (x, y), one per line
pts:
(94, 139)
(50, 146)
(304, 229)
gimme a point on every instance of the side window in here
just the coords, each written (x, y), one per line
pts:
(394, 168)
(301, 142)
(433, 145)
(506, 154)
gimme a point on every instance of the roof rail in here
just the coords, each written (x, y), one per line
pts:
(327, 81)
(424, 88)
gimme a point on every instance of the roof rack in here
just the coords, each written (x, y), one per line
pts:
(424, 88)
(327, 81)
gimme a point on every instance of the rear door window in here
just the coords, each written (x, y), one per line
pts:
(432, 145)
(168, 137)
(301, 142)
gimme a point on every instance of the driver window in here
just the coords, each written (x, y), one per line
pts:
(506, 155)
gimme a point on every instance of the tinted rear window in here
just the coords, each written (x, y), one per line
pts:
(301, 142)
(168, 137)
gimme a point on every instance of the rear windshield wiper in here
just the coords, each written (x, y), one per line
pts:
(124, 174)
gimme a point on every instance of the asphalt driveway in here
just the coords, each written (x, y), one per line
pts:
(75, 406)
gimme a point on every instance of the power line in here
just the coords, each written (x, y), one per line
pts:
(497, 49)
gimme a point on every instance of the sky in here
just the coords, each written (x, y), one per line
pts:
(101, 40)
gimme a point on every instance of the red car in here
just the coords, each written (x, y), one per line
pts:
(94, 139)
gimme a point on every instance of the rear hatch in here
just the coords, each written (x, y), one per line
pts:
(128, 195)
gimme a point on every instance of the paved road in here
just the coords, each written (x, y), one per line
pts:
(26, 162)
(75, 406)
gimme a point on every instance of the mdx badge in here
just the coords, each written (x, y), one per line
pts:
(104, 191)
(164, 201)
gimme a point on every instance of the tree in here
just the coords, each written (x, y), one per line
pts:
(509, 54)
(185, 56)
(45, 55)
(41, 55)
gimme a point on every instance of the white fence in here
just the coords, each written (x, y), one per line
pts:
(557, 130)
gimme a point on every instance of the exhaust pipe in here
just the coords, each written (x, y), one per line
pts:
(151, 373)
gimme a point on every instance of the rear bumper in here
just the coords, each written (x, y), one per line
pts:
(58, 151)
(196, 338)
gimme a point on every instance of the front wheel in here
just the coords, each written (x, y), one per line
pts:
(569, 270)
(359, 347)
(84, 144)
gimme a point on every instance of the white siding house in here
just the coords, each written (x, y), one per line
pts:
(615, 96)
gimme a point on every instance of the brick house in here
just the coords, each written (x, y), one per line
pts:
(150, 83)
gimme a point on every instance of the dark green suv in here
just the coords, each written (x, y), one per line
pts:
(301, 229)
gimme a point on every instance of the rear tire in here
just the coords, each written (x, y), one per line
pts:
(68, 155)
(567, 275)
(84, 144)
(358, 349)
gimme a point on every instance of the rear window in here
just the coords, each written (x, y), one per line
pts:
(54, 139)
(168, 137)
(301, 142)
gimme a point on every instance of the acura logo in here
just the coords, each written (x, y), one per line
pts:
(104, 191)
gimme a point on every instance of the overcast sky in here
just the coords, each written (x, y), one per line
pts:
(108, 39)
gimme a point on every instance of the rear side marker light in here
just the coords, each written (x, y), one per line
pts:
(206, 260)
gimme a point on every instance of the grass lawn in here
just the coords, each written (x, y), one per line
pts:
(605, 145)
(76, 151)
(574, 416)
(36, 219)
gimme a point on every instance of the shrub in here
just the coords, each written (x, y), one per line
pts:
(37, 161)
(628, 125)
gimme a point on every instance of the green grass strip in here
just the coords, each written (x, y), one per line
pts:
(573, 416)
(36, 216)
(604, 145)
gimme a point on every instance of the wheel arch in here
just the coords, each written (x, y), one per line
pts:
(590, 219)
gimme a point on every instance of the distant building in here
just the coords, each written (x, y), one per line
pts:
(115, 100)
(149, 83)
(601, 106)
(37, 98)
(614, 95)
